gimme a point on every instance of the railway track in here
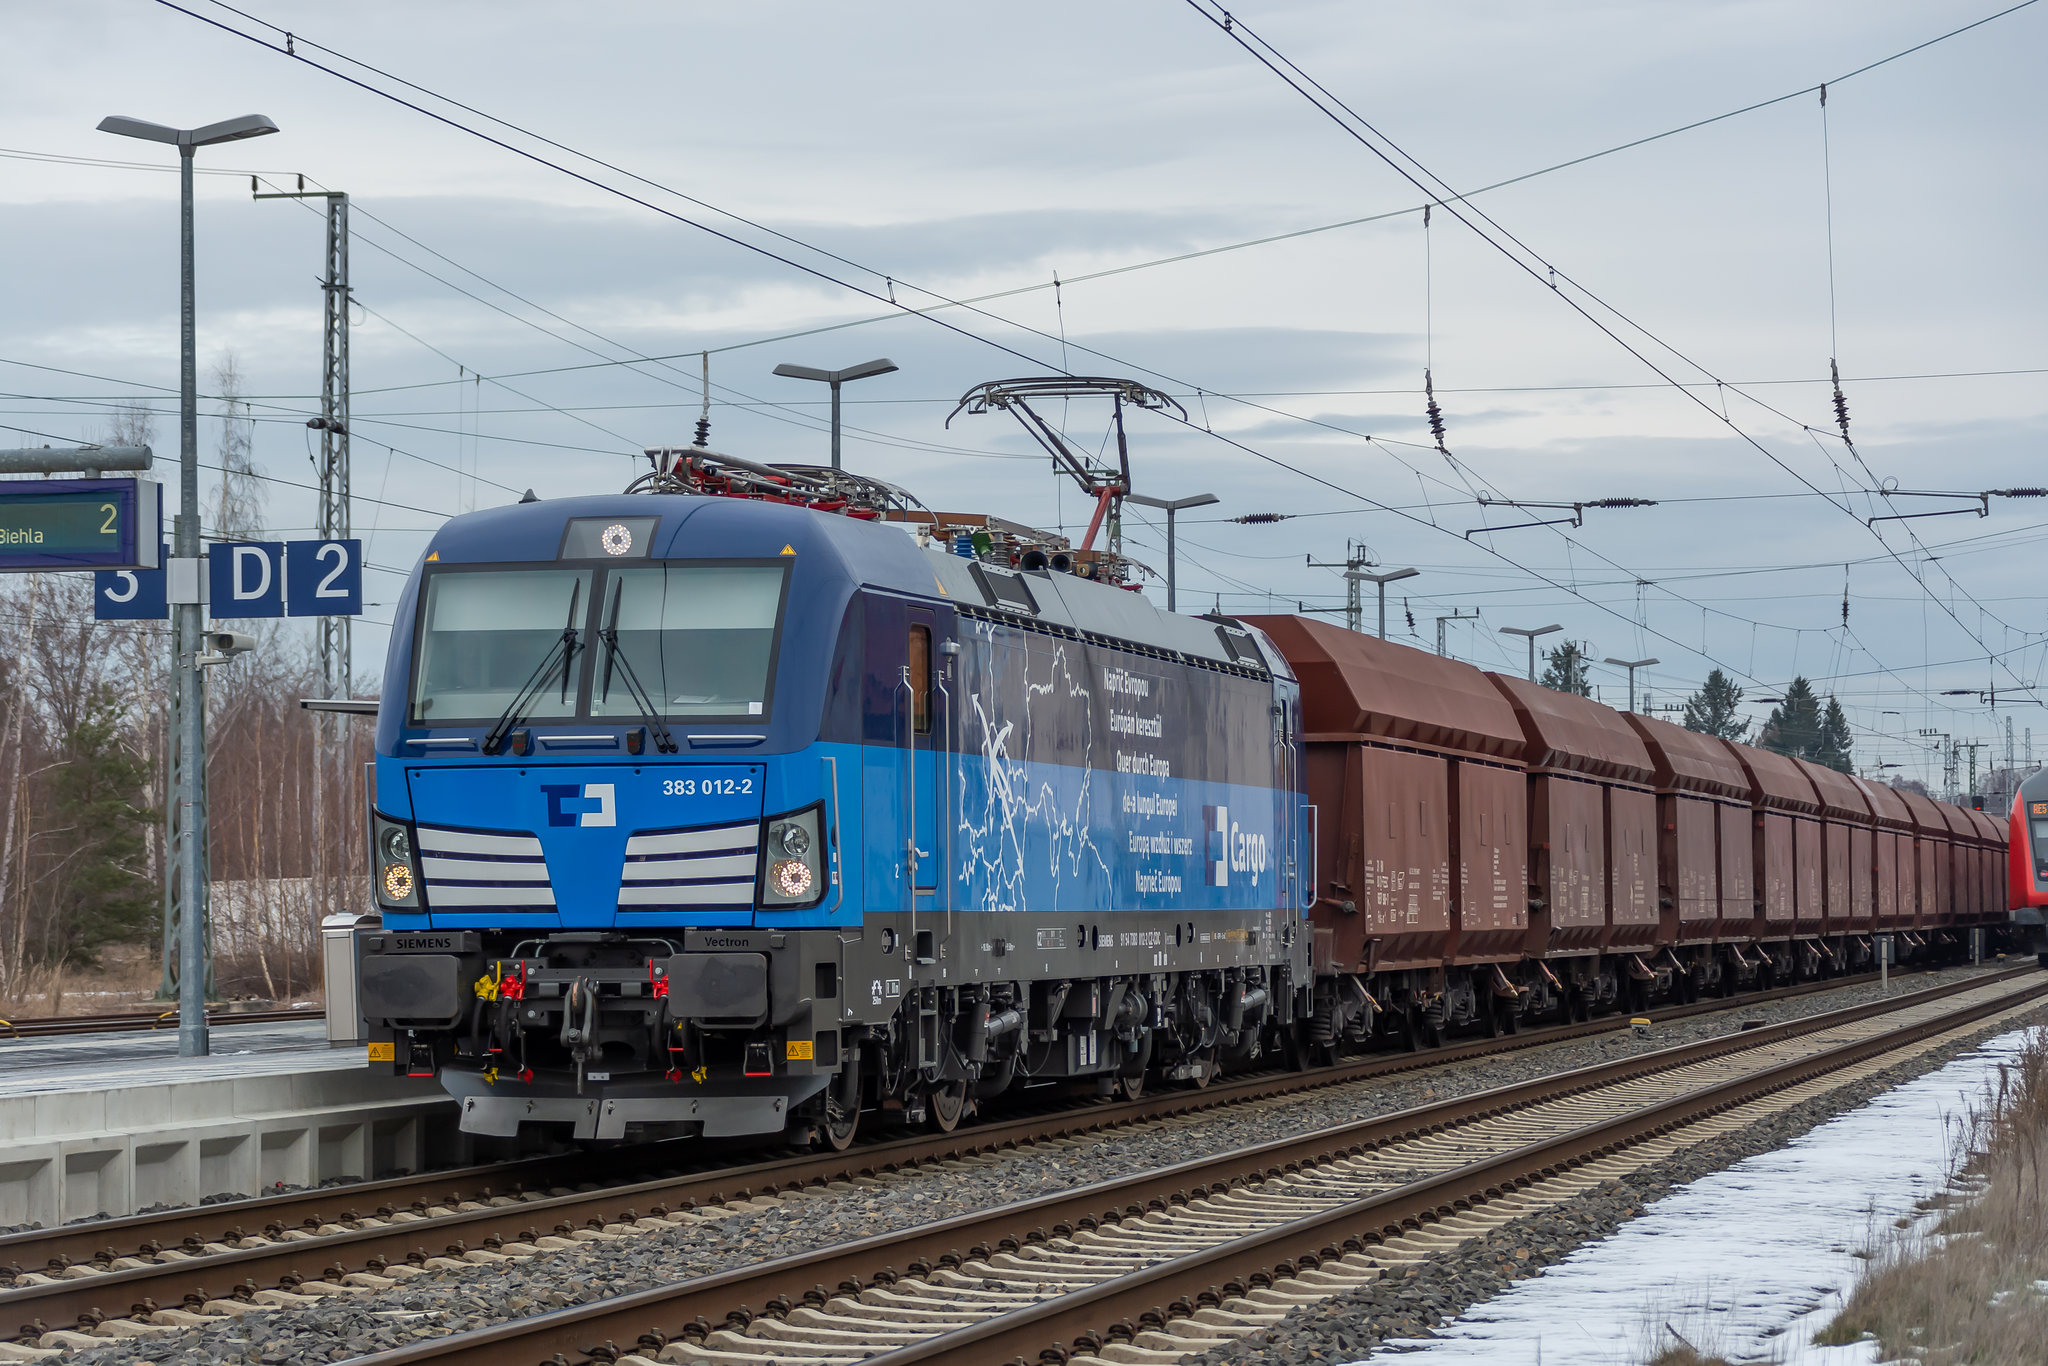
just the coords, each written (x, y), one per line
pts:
(52, 1026)
(1152, 1267)
(187, 1266)
(245, 1251)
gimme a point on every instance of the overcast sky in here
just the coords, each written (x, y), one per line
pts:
(955, 151)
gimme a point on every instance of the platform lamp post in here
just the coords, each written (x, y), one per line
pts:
(1531, 632)
(1391, 576)
(1170, 506)
(185, 861)
(1631, 665)
(835, 378)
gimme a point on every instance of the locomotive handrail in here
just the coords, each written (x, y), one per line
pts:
(838, 863)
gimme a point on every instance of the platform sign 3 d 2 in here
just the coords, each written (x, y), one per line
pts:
(79, 524)
(248, 579)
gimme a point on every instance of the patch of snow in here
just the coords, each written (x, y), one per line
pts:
(1749, 1262)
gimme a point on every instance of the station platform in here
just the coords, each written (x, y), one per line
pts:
(116, 1123)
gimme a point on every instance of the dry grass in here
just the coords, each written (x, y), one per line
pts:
(1686, 1356)
(124, 979)
(1971, 1285)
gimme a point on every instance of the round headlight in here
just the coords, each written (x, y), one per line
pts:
(397, 844)
(398, 881)
(790, 878)
(796, 841)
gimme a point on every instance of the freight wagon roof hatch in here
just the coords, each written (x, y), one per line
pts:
(1774, 779)
(1989, 827)
(1688, 761)
(1839, 795)
(1959, 822)
(1885, 802)
(1926, 814)
(1354, 684)
(1575, 734)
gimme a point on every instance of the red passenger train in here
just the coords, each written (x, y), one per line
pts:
(2027, 862)
(1488, 850)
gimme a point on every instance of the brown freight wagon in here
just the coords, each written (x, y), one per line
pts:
(1786, 843)
(1414, 763)
(1849, 857)
(1705, 879)
(1995, 911)
(1966, 900)
(1930, 861)
(1897, 893)
(1973, 849)
(1592, 825)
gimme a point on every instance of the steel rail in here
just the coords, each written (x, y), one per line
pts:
(106, 1240)
(1046, 1330)
(651, 1316)
(51, 1026)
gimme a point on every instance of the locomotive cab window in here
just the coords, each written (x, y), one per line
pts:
(485, 634)
(921, 679)
(698, 641)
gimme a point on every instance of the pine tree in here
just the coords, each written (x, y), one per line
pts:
(1794, 724)
(105, 894)
(1711, 710)
(1835, 744)
(1567, 670)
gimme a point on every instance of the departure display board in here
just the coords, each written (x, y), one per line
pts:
(79, 524)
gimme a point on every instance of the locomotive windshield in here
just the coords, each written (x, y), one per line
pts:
(699, 638)
(484, 634)
(697, 641)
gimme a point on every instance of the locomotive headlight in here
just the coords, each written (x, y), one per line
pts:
(397, 881)
(790, 878)
(792, 864)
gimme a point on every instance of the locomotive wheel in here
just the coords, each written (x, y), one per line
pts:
(839, 1128)
(1131, 1085)
(947, 1105)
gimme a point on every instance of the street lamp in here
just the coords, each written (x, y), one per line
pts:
(1383, 580)
(1531, 633)
(1171, 506)
(188, 860)
(1632, 665)
(835, 378)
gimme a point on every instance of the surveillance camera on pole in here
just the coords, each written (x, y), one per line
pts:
(218, 647)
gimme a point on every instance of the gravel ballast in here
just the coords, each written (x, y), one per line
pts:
(436, 1302)
(1348, 1326)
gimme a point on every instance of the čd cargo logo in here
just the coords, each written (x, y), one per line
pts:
(580, 803)
(1227, 849)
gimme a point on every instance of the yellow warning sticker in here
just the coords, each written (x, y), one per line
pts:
(384, 1052)
(789, 550)
(799, 1050)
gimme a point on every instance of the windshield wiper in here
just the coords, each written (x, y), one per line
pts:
(564, 648)
(562, 651)
(664, 740)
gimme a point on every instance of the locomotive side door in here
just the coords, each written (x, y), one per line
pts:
(923, 727)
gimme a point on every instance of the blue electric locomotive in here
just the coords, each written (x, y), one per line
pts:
(761, 800)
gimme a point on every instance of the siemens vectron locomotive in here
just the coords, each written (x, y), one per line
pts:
(753, 812)
(761, 799)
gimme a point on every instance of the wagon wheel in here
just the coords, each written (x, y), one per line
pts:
(947, 1105)
(840, 1125)
(1130, 1080)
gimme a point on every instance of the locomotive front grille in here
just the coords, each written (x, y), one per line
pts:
(694, 869)
(484, 870)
